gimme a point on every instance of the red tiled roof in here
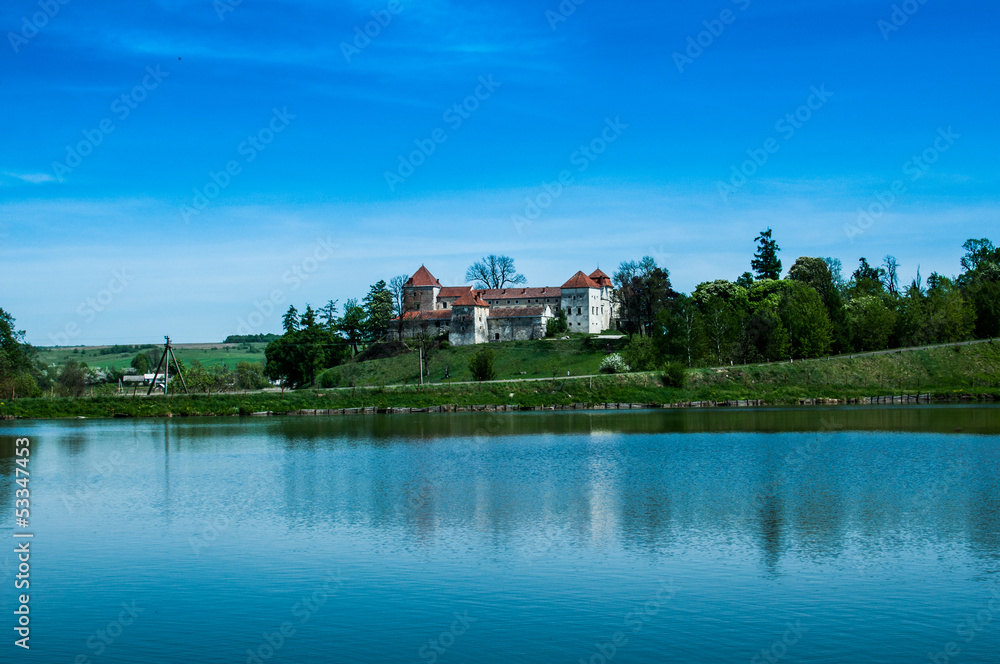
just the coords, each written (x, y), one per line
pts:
(423, 277)
(454, 291)
(516, 312)
(440, 314)
(601, 278)
(520, 293)
(470, 299)
(580, 280)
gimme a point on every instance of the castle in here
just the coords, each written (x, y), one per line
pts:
(468, 315)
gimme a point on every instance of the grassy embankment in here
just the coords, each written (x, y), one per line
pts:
(944, 373)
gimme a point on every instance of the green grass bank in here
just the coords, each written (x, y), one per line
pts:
(953, 373)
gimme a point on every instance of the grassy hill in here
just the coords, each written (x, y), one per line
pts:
(514, 359)
(207, 354)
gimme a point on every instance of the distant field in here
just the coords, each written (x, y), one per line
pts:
(207, 354)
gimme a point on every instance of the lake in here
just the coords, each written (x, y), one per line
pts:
(792, 535)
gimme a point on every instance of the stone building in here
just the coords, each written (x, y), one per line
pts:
(468, 315)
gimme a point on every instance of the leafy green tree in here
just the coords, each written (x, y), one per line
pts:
(941, 315)
(807, 320)
(481, 364)
(765, 261)
(816, 273)
(290, 321)
(297, 357)
(18, 373)
(328, 315)
(141, 363)
(250, 376)
(557, 325)
(765, 338)
(308, 318)
(378, 306)
(72, 379)
(643, 289)
(745, 280)
(680, 333)
(867, 280)
(641, 354)
(870, 321)
(353, 323)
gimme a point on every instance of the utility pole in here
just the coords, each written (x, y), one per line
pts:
(421, 358)
(168, 354)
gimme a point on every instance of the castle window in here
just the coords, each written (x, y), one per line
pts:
(498, 336)
(579, 311)
(508, 301)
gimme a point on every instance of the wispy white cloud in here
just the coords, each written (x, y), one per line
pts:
(31, 178)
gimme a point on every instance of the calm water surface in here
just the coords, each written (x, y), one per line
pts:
(802, 535)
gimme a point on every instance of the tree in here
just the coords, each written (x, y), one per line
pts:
(494, 272)
(978, 252)
(290, 321)
(481, 364)
(941, 315)
(765, 262)
(250, 376)
(298, 356)
(378, 307)
(72, 379)
(807, 320)
(679, 332)
(140, 363)
(745, 280)
(765, 338)
(817, 274)
(308, 318)
(557, 325)
(18, 374)
(328, 315)
(396, 285)
(890, 277)
(352, 323)
(867, 280)
(870, 321)
(642, 290)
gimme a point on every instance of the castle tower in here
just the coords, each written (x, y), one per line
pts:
(420, 292)
(581, 298)
(469, 315)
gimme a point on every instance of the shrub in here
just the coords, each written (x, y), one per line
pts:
(481, 364)
(613, 364)
(674, 374)
(640, 353)
(557, 325)
(329, 378)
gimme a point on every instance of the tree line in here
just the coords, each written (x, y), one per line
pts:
(813, 311)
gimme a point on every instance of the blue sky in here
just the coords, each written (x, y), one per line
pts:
(163, 96)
